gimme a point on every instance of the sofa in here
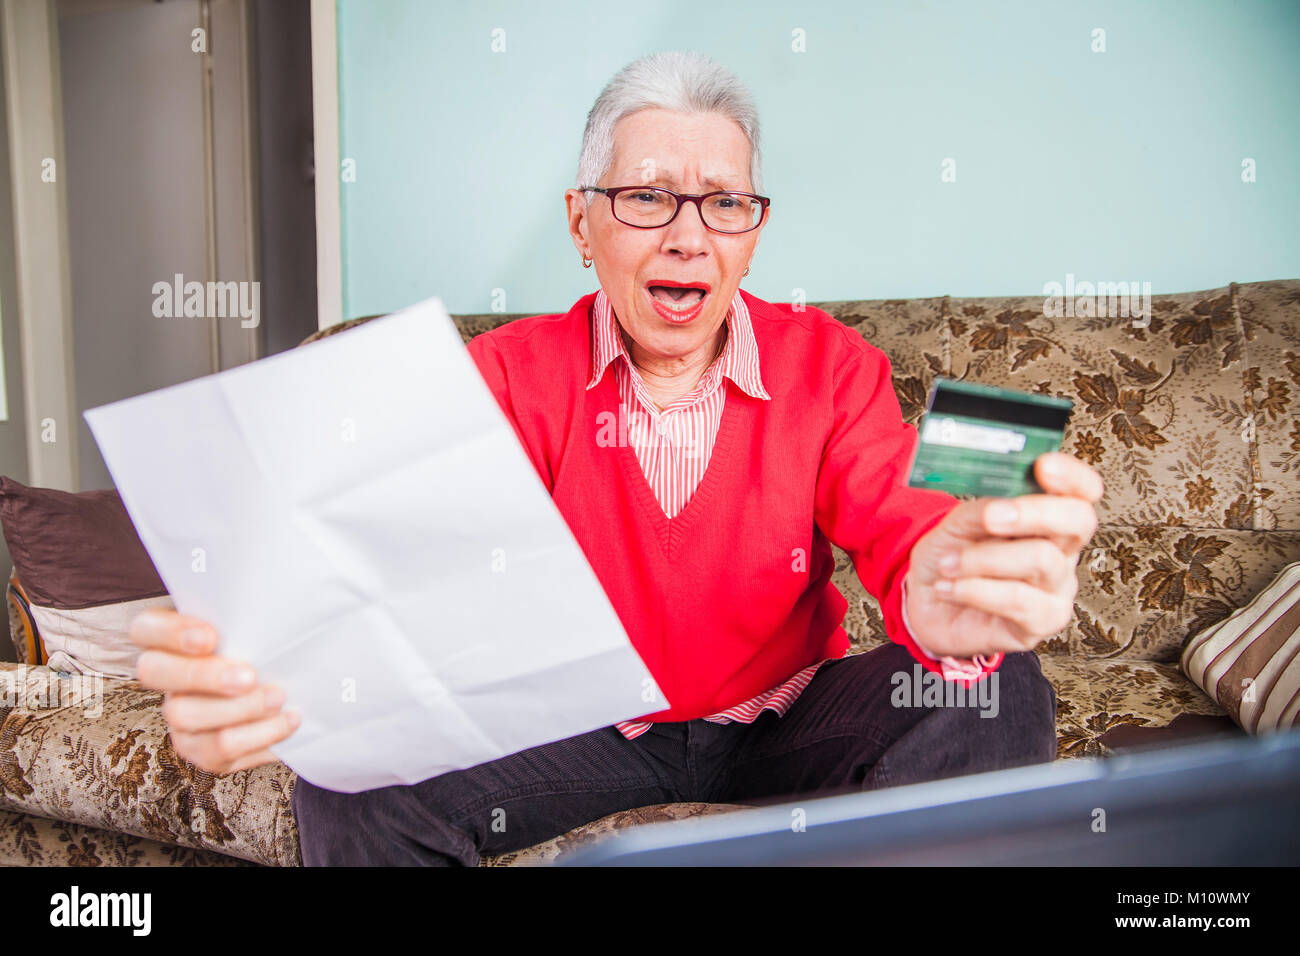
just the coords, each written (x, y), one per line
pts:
(1188, 413)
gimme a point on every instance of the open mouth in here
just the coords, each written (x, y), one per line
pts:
(678, 299)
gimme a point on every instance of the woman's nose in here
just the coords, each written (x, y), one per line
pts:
(687, 232)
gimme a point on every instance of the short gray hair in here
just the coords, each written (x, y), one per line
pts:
(682, 82)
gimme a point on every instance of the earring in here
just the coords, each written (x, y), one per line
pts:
(586, 263)
(746, 272)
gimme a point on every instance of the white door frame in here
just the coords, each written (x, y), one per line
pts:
(34, 107)
(325, 133)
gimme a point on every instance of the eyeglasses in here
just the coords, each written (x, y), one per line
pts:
(649, 207)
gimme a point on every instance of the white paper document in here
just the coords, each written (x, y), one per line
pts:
(357, 519)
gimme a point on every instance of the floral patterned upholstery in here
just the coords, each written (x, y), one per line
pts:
(1190, 420)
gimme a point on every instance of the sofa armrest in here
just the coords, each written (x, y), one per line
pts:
(22, 627)
(95, 750)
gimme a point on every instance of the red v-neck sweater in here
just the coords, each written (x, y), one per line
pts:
(733, 595)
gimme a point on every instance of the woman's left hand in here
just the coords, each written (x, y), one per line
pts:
(1008, 584)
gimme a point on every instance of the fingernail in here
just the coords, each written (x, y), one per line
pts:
(1052, 466)
(948, 563)
(272, 698)
(150, 623)
(195, 639)
(1001, 513)
(237, 677)
(295, 719)
(943, 584)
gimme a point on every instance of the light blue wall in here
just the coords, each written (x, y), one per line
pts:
(1123, 165)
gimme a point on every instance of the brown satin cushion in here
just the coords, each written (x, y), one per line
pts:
(84, 573)
(75, 550)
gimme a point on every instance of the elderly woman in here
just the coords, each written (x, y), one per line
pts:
(707, 448)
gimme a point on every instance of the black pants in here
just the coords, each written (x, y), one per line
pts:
(856, 726)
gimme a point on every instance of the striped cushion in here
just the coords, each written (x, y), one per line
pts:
(1250, 661)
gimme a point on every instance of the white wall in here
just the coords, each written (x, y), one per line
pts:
(464, 120)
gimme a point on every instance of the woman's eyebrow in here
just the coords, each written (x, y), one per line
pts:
(712, 181)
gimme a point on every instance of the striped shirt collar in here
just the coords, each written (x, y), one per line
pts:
(738, 361)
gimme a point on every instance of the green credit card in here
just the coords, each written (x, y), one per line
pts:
(982, 440)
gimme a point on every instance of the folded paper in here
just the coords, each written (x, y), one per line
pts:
(358, 521)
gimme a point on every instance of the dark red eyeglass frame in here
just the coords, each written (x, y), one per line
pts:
(613, 191)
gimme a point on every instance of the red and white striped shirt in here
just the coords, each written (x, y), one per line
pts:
(674, 447)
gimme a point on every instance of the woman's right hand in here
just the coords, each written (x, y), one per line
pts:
(217, 722)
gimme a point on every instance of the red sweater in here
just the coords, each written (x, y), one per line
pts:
(733, 595)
